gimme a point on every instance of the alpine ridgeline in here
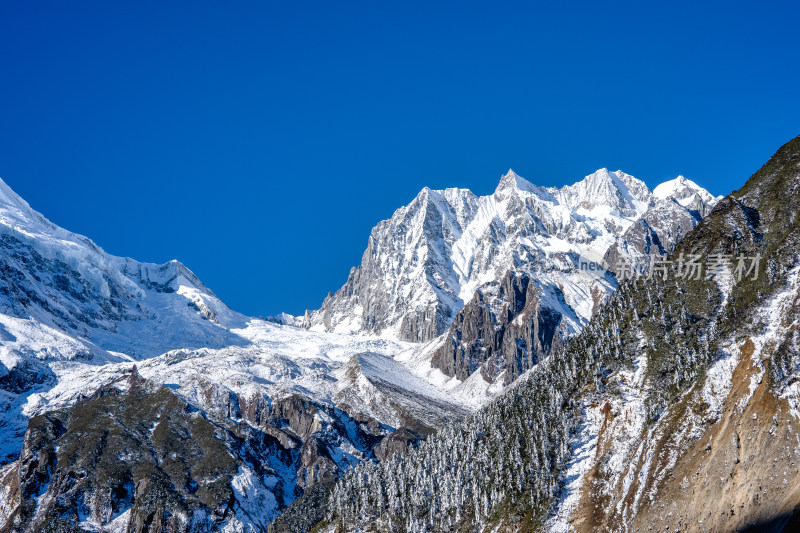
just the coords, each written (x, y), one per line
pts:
(676, 408)
(422, 265)
(498, 281)
(233, 419)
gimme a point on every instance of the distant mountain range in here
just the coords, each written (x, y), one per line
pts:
(426, 262)
(439, 269)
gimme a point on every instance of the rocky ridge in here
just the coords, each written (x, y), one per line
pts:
(426, 262)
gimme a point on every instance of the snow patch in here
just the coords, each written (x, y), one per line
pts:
(584, 451)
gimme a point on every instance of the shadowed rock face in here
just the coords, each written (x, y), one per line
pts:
(298, 413)
(397, 443)
(501, 331)
(316, 464)
(306, 512)
(312, 428)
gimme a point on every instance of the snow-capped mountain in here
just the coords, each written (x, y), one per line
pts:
(66, 281)
(675, 208)
(686, 192)
(65, 303)
(677, 408)
(308, 405)
(423, 264)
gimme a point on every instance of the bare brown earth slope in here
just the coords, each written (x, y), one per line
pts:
(725, 454)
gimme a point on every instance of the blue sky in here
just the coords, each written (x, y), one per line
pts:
(259, 142)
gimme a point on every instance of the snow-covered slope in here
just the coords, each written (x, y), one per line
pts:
(422, 265)
(66, 281)
(279, 362)
(73, 317)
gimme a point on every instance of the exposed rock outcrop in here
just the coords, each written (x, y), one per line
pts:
(504, 330)
(397, 443)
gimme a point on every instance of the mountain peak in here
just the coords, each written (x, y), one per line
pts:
(600, 173)
(618, 190)
(513, 181)
(8, 198)
(682, 189)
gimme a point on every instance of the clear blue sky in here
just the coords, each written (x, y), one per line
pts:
(259, 142)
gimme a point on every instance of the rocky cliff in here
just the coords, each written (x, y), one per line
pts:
(134, 457)
(503, 331)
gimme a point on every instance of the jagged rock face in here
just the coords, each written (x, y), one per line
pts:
(427, 261)
(298, 413)
(322, 430)
(318, 432)
(379, 296)
(397, 443)
(504, 330)
(316, 464)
